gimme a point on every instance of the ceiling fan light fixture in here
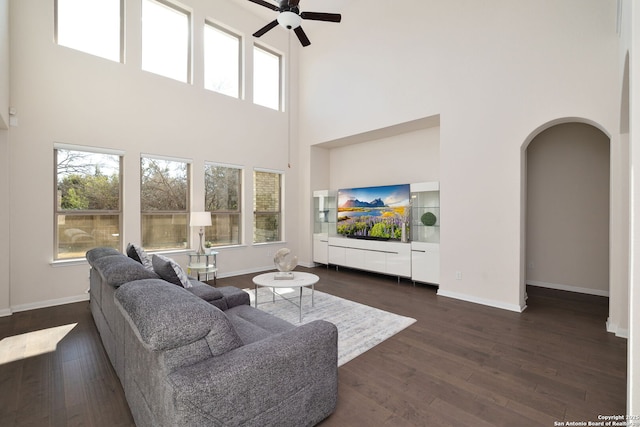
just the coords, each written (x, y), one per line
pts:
(289, 20)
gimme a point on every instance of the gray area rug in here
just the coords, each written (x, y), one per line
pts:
(360, 327)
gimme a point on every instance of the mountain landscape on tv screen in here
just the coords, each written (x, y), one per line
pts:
(374, 212)
(355, 203)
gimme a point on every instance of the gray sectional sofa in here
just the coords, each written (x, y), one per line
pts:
(202, 356)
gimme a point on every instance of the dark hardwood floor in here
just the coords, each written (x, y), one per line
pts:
(460, 364)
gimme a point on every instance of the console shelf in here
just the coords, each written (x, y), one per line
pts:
(425, 232)
(324, 223)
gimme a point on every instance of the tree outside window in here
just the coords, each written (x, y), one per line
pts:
(223, 195)
(164, 202)
(267, 202)
(88, 201)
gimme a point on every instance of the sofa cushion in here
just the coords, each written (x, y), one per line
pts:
(254, 325)
(170, 271)
(96, 253)
(168, 317)
(119, 269)
(204, 291)
(137, 253)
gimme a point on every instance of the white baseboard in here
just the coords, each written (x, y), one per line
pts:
(85, 297)
(569, 288)
(247, 271)
(617, 330)
(476, 300)
(50, 303)
(308, 264)
(260, 270)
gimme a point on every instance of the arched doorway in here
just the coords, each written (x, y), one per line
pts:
(567, 208)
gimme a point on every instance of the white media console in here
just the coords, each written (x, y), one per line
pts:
(385, 257)
(418, 260)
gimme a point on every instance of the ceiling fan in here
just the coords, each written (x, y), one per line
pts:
(290, 18)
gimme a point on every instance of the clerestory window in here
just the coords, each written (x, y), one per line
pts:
(222, 60)
(267, 77)
(91, 26)
(166, 40)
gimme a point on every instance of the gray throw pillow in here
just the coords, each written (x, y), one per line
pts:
(170, 271)
(137, 253)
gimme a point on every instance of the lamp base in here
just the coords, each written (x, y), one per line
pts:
(201, 250)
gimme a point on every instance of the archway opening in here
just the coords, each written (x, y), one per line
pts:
(567, 209)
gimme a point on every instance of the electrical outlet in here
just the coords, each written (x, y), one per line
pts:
(458, 275)
(530, 265)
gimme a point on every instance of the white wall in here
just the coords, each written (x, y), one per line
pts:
(5, 252)
(4, 159)
(568, 209)
(401, 159)
(495, 72)
(4, 64)
(63, 95)
(630, 43)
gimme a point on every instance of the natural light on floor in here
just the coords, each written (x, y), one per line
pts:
(33, 343)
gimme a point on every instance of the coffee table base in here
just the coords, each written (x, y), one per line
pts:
(300, 280)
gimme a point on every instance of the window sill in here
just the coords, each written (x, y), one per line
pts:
(227, 247)
(68, 262)
(279, 242)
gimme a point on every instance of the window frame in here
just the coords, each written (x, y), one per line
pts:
(219, 27)
(281, 84)
(186, 212)
(239, 212)
(189, 14)
(279, 212)
(121, 56)
(85, 212)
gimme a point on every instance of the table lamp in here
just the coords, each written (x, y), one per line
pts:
(200, 219)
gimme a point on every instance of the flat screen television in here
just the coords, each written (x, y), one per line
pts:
(374, 212)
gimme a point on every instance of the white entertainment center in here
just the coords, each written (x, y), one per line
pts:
(417, 259)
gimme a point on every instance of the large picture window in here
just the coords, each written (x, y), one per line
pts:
(164, 202)
(266, 78)
(223, 198)
(221, 60)
(166, 40)
(88, 200)
(267, 202)
(91, 26)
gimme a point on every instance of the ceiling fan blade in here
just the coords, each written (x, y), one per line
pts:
(265, 4)
(266, 28)
(304, 40)
(320, 16)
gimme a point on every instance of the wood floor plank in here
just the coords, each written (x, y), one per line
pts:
(460, 364)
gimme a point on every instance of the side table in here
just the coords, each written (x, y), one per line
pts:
(203, 264)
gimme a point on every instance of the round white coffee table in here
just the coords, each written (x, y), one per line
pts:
(300, 280)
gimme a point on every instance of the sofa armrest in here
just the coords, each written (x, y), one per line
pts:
(291, 376)
(234, 296)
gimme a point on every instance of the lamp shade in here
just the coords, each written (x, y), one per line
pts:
(289, 20)
(200, 219)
